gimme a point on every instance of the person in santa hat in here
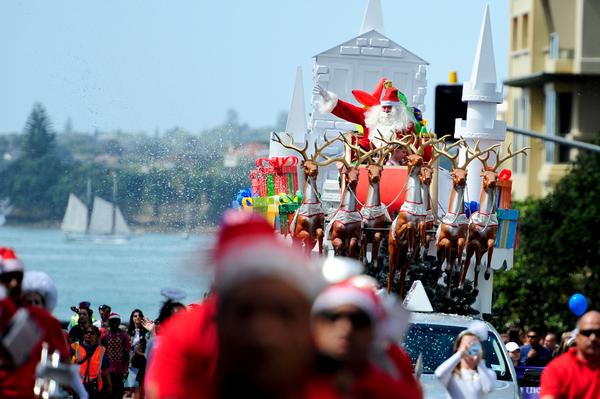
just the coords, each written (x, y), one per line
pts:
(251, 337)
(387, 116)
(17, 373)
(346, 319)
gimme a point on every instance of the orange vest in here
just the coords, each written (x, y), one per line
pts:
(94, 362)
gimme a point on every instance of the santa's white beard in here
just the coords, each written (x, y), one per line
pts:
(385, 124)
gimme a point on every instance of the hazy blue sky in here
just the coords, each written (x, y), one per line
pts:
(153, 64)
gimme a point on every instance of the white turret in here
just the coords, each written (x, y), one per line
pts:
(373, 19)
(482, 97)
(296, 120)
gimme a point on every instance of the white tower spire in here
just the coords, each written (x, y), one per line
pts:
(373, 19)
(296, 120)
(481, 95)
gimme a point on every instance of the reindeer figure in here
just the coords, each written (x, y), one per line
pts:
(307, 227)
(426, 177)
(374, 213)
(483, 224)
(345, 227)
(452, 232)
(403, 232)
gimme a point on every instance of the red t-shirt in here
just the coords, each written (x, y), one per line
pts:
(18, 383)
(569, 377)
(184, 360)
(406, 377)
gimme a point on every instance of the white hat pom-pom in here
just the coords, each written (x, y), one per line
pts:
(40, 282)
(480, 329)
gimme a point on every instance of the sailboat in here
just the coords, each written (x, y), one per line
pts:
(105, 224)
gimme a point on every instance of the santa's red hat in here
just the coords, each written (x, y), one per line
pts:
(247, 249)
(390, 97)
(9, 261)
(359, 291)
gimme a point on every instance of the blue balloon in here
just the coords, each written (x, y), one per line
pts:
(578, 304)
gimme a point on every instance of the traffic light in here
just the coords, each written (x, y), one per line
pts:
(448, 107)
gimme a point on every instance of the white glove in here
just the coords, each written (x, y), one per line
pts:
(322, 92)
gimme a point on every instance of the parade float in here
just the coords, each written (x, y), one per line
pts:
(367, 179)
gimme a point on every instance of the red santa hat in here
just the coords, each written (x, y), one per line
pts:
(247, 248)
(358, 291)
(390, 97)
(114, 316)
(9, 261)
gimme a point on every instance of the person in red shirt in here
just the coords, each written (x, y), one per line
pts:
(576, 374)
(17, 380)
(251, 337)
(346, 323)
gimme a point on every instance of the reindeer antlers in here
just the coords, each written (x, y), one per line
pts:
(500, 160)
(291, 146)
(302, 151)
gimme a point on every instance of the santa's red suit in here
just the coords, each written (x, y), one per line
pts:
(17, 381)
(374, 121)
(23, 330)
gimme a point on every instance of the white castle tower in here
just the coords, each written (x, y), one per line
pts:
(482, 96)
(360, 63)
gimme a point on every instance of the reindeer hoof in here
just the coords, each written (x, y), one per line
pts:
(487, 275)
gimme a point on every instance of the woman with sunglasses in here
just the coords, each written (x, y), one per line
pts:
(345, 319)
(93, 362)
(465, 374)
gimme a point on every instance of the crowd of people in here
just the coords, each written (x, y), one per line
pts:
(537, 347)
(276, 324)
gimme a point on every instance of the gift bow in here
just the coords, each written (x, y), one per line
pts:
(505, 174)
(277, 162)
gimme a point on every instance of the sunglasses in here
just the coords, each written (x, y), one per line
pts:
(588, 333)
(359, 320)
(532, 336)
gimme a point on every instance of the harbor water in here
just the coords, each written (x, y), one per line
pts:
(124, 276)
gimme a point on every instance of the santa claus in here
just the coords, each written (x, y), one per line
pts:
(385, 116)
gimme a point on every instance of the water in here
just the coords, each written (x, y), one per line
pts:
(125, 276)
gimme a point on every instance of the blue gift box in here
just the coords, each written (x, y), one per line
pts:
(507, 228)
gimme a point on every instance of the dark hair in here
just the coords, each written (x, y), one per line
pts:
(89, 311)
(167, 310)
(131, 328)
(514, 335)
(536, 329)
(95, 329)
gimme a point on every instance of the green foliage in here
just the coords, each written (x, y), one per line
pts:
(39, 138)
(158, 177)
(558, 254)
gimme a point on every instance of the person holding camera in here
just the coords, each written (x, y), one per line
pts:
(465, 374)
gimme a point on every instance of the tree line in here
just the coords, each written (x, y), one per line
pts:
(157, 176)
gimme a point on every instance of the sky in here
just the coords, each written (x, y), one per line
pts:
(151, 65)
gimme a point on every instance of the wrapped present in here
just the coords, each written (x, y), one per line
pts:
(288, 205)
(277, 174)
(504, 184)
(507, 228)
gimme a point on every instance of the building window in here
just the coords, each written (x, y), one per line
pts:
(525, 31)
(515, 33)
(565, 107)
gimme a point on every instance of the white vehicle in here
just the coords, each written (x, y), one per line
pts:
(432, 336)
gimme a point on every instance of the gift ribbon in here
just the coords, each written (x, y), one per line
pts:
(505, 174)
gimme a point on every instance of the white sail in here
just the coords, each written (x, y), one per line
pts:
(121, 227)
(76, 216)
(101, 220)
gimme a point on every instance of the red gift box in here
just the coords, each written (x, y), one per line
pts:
(504, 184)
(284, 172)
